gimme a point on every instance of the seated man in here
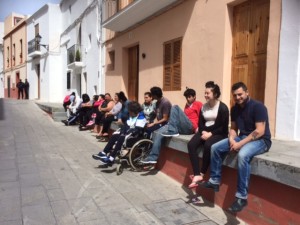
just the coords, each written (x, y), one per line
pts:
(134, 127)
(179, 123)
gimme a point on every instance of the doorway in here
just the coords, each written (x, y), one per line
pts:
(133, 73)
(250, 38)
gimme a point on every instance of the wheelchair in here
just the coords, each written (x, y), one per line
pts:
(134, 150)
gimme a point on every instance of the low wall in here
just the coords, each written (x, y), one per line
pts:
(274, 190)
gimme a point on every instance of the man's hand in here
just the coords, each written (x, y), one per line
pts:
(150, 124)
(235, 146)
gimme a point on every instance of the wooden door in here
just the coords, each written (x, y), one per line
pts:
(250, 37)
(133, 73)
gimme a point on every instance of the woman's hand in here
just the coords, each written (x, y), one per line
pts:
(205, 135)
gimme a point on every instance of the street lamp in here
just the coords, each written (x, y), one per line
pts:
(38, 39)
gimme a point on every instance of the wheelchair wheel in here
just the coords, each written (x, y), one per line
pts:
(139, 151)
(120, 169)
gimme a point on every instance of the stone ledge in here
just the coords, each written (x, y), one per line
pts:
(281, 163)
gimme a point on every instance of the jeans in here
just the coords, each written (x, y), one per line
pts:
(157, 141)
(245, 155)
(179, 122)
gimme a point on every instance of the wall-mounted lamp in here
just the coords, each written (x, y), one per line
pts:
(38, 39)
(143, 55)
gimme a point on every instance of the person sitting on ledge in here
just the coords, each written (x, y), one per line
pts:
(213, 127)
(180, 122)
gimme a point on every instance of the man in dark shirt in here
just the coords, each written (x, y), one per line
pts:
(163, 108)
(20, 86)
(250, 118)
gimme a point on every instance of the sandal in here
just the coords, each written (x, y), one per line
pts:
(196, 179)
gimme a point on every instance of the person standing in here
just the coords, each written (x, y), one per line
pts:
(213, 127)
(26, 89)
(20, 86)
(250, 118)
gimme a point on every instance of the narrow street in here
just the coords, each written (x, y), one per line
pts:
(47, 176)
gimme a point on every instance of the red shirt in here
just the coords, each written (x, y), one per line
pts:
(193, 113)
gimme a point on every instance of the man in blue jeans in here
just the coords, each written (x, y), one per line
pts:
(250, 118)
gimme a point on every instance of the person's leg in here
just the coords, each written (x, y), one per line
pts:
(245, 155)
(218, 152)
(192, 146)
(118, 146)
(112, 141)
(207, 151)
(106, 123)
(157, 141)
(179, 122)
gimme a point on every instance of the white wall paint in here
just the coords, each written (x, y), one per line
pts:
(288, 99)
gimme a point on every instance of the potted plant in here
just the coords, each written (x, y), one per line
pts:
(78, 56)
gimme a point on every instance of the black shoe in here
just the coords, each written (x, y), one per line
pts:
(209, 185)
(66, 123)
(238, 205)
(63, 121)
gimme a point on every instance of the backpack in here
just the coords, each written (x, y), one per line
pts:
(67, 98)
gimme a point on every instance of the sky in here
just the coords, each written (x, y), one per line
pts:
(25, 7)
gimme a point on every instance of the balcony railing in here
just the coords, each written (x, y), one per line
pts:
(33, 46)
(74, 54)
(111, 7)
(119, 15)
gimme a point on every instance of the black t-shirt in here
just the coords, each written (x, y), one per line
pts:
(246, 117)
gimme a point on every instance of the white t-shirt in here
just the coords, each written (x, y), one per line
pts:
(210, 114)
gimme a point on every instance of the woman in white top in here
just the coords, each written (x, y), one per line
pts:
(213, 127)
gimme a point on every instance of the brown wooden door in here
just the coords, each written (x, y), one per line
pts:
(250, 37)
(133, 73)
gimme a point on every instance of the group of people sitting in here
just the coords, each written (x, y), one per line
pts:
(249, 132)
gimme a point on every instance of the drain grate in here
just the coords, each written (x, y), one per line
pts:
(176, 211)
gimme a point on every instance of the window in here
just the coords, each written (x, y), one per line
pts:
(172, 65)
(21, 50)
(69, 80)
(111, 63)
(17, 20)
(14, 54)
(7, 60)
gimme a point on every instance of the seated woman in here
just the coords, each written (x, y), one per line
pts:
(134, 127)
(98, 100)
(106, 106)
(213, 127)
(110, 116)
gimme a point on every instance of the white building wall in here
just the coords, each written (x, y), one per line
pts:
(288, 99)
(84, 14)
(1, 60)
(48, 18)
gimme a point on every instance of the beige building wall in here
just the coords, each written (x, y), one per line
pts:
(15, 58)
(206, 29)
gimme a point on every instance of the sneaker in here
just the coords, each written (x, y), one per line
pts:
(99, 156)
(169, 133)
(210, 185)
(107, 161)
(238, 205)
(147, 161)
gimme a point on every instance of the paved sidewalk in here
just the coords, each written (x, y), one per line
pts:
(47, 176)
